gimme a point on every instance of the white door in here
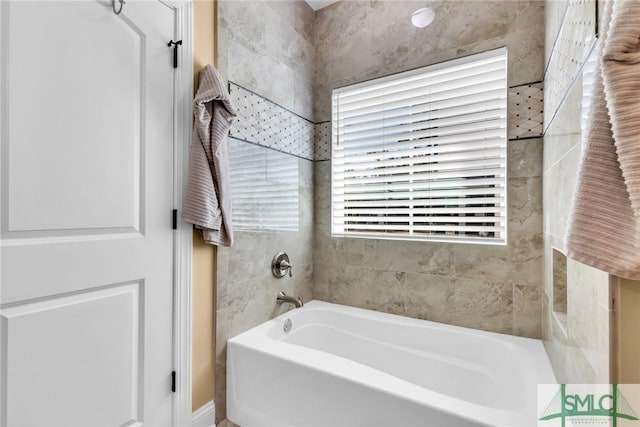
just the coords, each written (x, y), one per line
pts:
(86, 127)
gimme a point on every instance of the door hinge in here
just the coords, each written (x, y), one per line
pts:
(173, 381)
(175, 219)
(175, 51)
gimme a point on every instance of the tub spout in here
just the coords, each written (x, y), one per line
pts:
(282, 298)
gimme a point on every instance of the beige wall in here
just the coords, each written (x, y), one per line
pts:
(266, 47)
(577, 341)
(487, 287)
(625, 362)
(204, 256)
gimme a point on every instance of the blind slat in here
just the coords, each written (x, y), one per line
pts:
(425, 117)
(350, 220)
(468, 150)
(389, 212)
(440, 108)
(459, 129)
(405, 88)
(459, 92)
(341, 204)
(398, 227)
(457, 159)
(443, 68)
(391, 195)
(449, 89)
(411, 126)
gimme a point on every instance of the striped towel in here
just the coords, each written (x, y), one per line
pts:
(604, 228)
(207, 201)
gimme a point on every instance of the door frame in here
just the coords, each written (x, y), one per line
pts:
(183, 122)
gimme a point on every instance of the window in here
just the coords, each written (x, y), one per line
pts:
(421, 155)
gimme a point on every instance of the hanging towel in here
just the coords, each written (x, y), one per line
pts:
(604, 227)
(207, 201)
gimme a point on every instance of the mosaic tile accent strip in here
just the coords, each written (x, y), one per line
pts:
(526, 105)
(266, 123)
(322, 144)
(574, 42)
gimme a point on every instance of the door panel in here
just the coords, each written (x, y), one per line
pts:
(89, 62)
(113, 344)
(86, 128)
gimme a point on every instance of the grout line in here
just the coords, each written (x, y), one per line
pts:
(578, 145)
(525, 138)
(270, 148)
(570, 87)
(526, 84)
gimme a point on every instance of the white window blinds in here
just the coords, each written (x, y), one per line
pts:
(422, 154)
(264, 188)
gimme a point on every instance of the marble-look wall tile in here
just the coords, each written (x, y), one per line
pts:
(567, 359)
(322, 141)
(585, 321)
(525, 158)
(267, 49)
(249, 68)
(530, 14)
(564, 132)
(482, 262)
(559, 266)
(459, 301)
(524, 211)
(576, 297)
(526, 50)
(554, 14)
(322, 193)
(572, 47)
(558, 187)
(360, 40)
(527, 311)
(455, 276)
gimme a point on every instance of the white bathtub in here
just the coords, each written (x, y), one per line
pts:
(343, 366)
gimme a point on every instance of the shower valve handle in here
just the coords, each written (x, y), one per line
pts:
(280, 265)
(284, 265)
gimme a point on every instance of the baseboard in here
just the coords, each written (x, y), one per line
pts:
(205, 416)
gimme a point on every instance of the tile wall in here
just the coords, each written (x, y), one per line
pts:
(265, 51)
(492, 288)
(283, 60)
(577, 340)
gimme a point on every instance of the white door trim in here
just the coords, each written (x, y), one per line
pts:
(183, 238)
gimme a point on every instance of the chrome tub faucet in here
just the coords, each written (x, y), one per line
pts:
(282, 298)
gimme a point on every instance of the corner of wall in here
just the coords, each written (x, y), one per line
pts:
(577, 342)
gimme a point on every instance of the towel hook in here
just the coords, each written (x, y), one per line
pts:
(113, 5)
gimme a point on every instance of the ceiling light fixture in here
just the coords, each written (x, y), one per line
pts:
(423, 17)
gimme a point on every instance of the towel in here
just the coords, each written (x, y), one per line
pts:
(207, 201)
(604, 227)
